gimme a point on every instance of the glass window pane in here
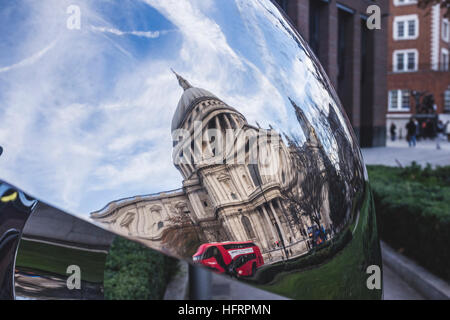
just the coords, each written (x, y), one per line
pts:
(447, 100)
(400, 64)
(400, 29)
(394, 99)
(411, 28)
(405, 99)
(411, 61)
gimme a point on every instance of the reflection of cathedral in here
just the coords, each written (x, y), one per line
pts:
(236, 199)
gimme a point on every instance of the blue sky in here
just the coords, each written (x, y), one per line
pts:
(85, 114)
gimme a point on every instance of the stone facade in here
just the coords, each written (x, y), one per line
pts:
(226, 195)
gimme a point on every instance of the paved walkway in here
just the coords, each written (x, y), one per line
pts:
(397, 289)
(223, 288)
(398, 152)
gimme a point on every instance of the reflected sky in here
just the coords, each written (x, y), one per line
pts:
(85, 114)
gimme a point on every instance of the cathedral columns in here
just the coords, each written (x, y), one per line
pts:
(280, 226)
(241, 228)
(254, 218)
(269, 223)
(235, 175)
(211, 190)
(287, 224)
(231, 232)
(227, 121)
(217, 188)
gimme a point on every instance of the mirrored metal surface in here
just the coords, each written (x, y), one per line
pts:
(55, 245)
(204, 129)
(15, 208)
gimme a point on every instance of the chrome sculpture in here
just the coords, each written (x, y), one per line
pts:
(267, 182)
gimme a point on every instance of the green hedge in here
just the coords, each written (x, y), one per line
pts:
(135, 272)
(413, 212)
(313, 258)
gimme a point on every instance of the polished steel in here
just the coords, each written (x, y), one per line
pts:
(15, 209)
(206, 130)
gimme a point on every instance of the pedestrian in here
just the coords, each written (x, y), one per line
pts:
(411, 133)
(418, 133)
(393, 130)
(440, 131)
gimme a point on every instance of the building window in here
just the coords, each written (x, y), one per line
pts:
(406, 27)
(444, 60)
(248, 227)
(399, 100)
(404, 2)
(447, 100)
(445, 30)
(405, 60)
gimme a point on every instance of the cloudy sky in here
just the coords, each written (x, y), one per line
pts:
(85, 113)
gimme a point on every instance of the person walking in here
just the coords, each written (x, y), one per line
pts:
(418, 134)
(411, 133)
(393, 130)
(440, 131)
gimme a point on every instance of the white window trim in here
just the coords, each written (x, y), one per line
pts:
(405, 19)
(399, 102)
(405, 62)
(406, 3)
(446, 39)
(441, 65)
(445, 109)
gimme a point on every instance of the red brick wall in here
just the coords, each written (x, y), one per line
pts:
(434, 82)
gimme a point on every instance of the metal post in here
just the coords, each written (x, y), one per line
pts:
(199, 283)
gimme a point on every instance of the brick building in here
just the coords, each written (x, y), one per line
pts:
(353, 56)
(418, 60)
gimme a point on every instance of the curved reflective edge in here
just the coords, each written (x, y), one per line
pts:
(15, 208)
(271, 185)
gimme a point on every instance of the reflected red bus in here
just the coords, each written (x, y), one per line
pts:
(235, 258)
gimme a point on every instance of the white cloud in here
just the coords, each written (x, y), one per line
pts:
(91, 123)
(30, 60)
(145, 34)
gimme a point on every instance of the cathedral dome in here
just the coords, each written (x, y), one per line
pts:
(191, 96)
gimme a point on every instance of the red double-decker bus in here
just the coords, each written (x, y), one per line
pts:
(234, 258)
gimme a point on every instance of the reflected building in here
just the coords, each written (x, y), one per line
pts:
(240, 183)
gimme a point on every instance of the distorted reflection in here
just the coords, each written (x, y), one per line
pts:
(272, 188)
(15, 208)
(249, 199)
(52, 241)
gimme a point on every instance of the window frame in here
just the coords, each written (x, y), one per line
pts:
(446, 37)
(442, 67)
(399, 101)
(405, 20)
(446, 108)
(405, 60)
